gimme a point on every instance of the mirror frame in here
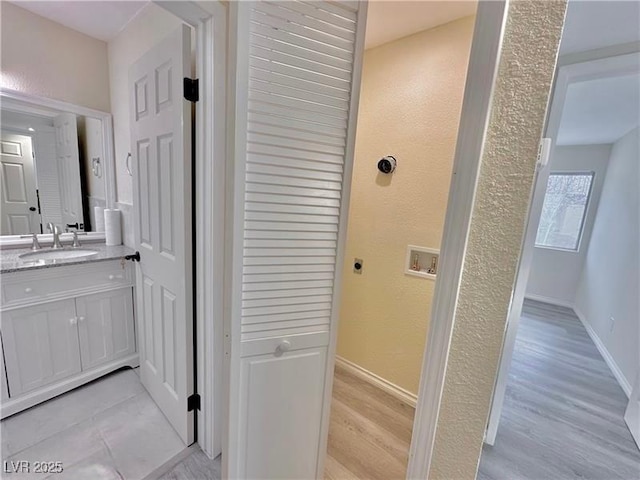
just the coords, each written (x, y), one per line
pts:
(26, 103)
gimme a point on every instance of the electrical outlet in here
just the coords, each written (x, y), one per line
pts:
(612, 324)
(358, 264)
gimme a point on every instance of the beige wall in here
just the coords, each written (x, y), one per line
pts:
(150, 26)
(521, 93)
(41, 57)
(410, 105)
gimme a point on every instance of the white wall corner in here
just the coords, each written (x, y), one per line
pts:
(611, 363)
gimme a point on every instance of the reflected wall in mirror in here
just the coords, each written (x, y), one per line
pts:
(52, 170)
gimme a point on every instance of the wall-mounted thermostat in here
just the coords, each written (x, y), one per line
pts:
(422, 262)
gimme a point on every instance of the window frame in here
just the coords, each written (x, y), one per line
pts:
(587, 207)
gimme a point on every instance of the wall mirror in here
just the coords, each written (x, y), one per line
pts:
(56, 165)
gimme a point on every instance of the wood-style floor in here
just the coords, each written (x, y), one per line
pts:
(562, 417)
(369, 433)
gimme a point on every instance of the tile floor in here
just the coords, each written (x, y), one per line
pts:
(108, 429)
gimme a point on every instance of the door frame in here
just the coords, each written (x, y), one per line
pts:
(588, 68)
(209, 20)
(483, 67)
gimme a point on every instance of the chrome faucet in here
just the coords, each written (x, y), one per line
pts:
(35, 245)
(56, 234)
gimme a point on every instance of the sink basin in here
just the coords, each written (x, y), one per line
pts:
(51, 254)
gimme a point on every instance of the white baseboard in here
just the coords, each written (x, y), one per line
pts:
(376, 380)
(613, 366)
(550, 300)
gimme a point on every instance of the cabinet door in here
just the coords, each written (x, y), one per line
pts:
(40, 345)
(105, 326)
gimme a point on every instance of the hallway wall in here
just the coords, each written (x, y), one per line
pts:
(410, 105)
(610, 282)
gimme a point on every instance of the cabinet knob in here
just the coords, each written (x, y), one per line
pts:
(116, 277)
(81, 319)
(28, 290)
(284, 346)
(73, 321)
(111, 277)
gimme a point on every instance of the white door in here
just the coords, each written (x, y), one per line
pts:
(19, 207)
(68, 159)
(161, 149)
(105, 326)
(297, 72)
(40, 345)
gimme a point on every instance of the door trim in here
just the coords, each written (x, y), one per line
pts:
(209, 20)
(483, 65)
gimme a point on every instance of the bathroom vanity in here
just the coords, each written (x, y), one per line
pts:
(65, 320)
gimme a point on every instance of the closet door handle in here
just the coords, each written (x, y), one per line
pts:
(73, 321)
(81, 319)
(284, 346)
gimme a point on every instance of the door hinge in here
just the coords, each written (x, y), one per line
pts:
(193, 402)
(191, 90)
(135, 257)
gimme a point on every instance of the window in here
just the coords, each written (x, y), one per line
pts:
(564, 210)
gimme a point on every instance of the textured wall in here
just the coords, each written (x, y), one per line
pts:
(44, 58)
(520, 99)
(410, 104)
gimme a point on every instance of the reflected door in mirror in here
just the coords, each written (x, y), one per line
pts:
(19, 207)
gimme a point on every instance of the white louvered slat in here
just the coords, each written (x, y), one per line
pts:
(333, 8)
(312, 10)
(301, 17)
(300, 68)
(269, 15)
(297, 51)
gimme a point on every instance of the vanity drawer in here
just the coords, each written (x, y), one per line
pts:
(48, 283)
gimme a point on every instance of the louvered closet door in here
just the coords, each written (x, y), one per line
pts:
(297, 70)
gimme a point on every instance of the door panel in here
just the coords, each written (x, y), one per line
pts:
(18, 186)
(281, 411)
(296, 74)
(40, 345)
(68, 156)
(105, 326)
(161, 146)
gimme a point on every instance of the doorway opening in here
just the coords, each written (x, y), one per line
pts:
(570, 359)
(94, 418)
(409, 111)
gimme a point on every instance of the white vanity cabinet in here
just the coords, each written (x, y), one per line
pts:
(105, 326)
(41, 345)
(64, 326)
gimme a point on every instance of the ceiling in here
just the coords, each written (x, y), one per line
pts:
(389, 20)
(99, 19)
(601, 23)
(600, 111)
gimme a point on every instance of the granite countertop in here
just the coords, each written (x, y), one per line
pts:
(10, 260)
